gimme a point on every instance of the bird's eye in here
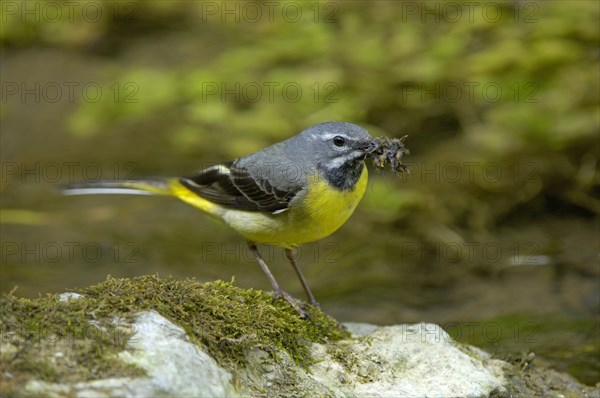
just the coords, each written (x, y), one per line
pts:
(338, 140)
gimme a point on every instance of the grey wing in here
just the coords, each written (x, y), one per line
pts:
(236, 187)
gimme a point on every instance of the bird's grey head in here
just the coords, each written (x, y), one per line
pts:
(336, 149)
(334, 144)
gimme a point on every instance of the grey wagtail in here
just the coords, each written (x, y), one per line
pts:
(296, 191)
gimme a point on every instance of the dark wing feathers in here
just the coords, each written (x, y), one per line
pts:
(235, 187)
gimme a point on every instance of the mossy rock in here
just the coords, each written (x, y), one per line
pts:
(93, 342)
(226, 321)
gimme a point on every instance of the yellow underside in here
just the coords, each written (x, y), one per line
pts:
(313, 216)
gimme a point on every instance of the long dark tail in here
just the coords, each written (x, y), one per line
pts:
(150, 186)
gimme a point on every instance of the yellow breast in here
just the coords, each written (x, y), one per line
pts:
(320, 212)
(325, 209)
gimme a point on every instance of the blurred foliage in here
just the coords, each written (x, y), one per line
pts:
(514, 93)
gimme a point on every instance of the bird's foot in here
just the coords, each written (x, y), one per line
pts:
(280, 293)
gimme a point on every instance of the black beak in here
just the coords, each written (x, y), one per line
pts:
(367, 147)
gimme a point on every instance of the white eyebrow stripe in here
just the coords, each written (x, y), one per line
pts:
(329, 136)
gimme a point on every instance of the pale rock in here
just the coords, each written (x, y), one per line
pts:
(174, 366)
(419, 360)
(68, 296)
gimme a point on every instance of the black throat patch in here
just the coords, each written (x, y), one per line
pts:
(344, 177)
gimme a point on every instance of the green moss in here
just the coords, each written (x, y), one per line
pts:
(54, 341)
(226, 320)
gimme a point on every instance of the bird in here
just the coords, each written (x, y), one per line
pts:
(293, 192)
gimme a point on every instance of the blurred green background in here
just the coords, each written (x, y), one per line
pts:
(494, 235)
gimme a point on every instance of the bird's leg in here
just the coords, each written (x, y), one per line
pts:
(279, 292)
(291, 255)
